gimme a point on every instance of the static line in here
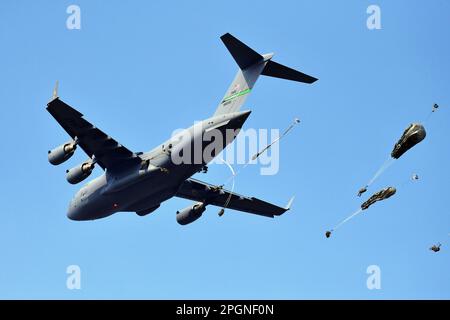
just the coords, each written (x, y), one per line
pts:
(296, 120)
(233, 175)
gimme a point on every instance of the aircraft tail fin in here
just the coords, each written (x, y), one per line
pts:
(251, 66)
(242, 54)
(289, 205)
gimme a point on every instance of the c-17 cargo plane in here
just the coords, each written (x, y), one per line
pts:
(139, 182)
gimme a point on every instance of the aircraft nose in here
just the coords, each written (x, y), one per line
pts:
(72, 213)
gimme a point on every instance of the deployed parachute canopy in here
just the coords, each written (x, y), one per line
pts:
(380, 195)
(414, 134)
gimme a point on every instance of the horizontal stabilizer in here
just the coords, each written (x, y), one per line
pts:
(244, 55)
(274, 69)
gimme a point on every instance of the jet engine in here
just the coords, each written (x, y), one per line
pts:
(81, 172)
(191, 213)
(62, 153)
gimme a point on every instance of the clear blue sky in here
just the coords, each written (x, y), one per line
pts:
(139, 69)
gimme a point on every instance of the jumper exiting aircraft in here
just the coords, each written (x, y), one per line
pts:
(139, 182)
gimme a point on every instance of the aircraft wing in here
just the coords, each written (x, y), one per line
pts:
(108, 153)
(197, 190)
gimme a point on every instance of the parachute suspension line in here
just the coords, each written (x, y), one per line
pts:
(428, 117)
(347, 219)
(433, 110)
(380, 171)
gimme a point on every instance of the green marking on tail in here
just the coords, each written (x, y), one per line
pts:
(237, 94)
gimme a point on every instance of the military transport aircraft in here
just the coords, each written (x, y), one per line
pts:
(139, 182)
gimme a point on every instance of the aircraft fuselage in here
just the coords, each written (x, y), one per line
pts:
(143, 188)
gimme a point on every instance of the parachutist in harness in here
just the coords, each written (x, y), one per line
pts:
(361, 191)
(436, 248)
(411, 136)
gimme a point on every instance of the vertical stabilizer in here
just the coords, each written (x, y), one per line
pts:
(251, 66)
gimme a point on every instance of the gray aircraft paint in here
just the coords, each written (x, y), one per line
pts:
(241, 87)
(141, 182)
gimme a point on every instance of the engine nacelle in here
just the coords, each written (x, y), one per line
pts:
(191, 213)
(79, 173)
(62, 153)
